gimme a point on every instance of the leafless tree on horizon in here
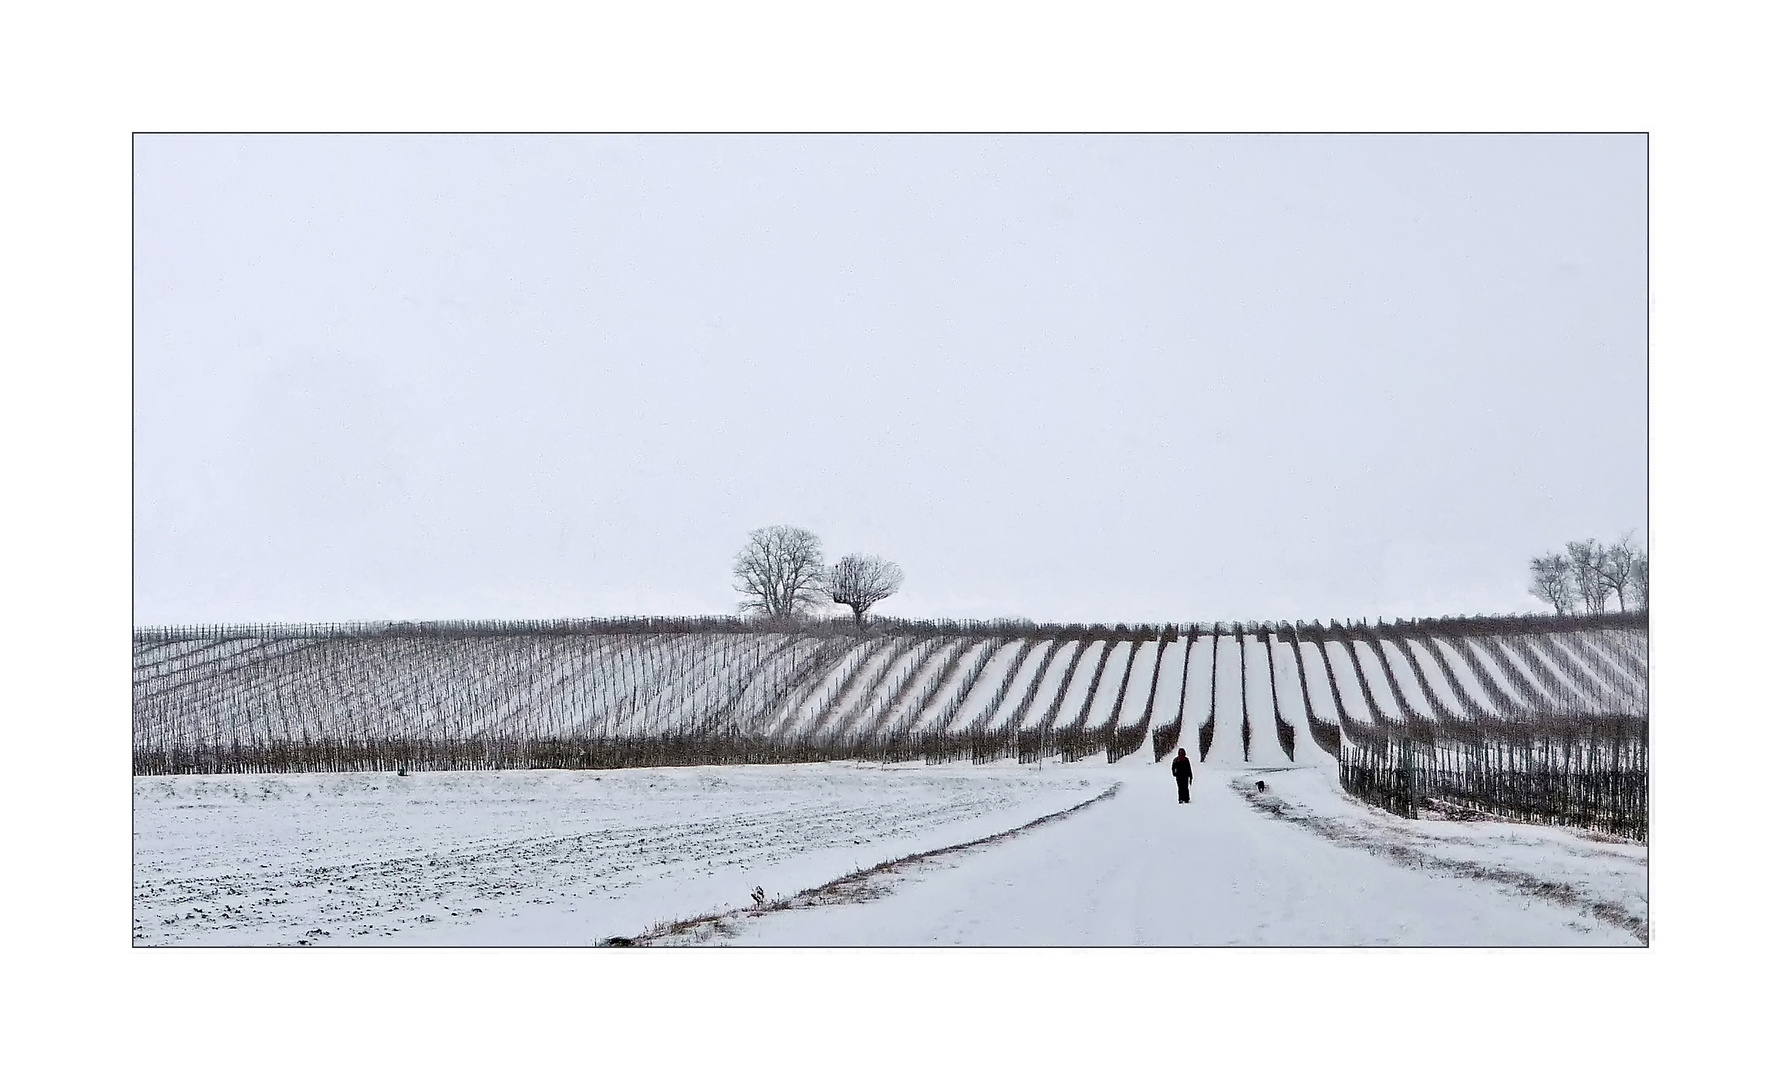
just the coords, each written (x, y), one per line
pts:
(1618, 566)
(1587, 571)
(1587, 558)
(780, 571)
(1638, 580)
(1552, 581)
(859, 581)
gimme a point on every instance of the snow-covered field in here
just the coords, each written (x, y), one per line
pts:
(544, 857)
(536, 857)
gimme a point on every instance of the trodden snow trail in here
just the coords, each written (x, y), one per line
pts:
(1300, 866)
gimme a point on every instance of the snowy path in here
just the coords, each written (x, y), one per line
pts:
(1300, 866)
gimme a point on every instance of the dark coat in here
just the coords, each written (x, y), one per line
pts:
(1183, 770)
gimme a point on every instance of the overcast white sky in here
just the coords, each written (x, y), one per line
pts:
(1106, 378)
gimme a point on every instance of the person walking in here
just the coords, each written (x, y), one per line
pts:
(1184, 775)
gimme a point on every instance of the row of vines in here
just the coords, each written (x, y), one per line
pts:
(1536, 717)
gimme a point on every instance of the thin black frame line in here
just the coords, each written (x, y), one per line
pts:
(133, 853)
(1651, 758)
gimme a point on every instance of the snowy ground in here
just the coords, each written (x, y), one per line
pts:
(1298, 865)
(535, 857)
(576, 858)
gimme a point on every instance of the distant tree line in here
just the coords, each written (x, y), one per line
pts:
(781, 575)
(1582, 578)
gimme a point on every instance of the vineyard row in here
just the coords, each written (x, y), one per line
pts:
(1521, 713)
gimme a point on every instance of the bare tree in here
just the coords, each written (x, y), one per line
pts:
(1587, 558)
(859, 581)
(1618, 563)
(780, 571)
(1553, 582)
(1638, 580)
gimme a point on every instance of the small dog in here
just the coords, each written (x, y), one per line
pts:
(1261, 785)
